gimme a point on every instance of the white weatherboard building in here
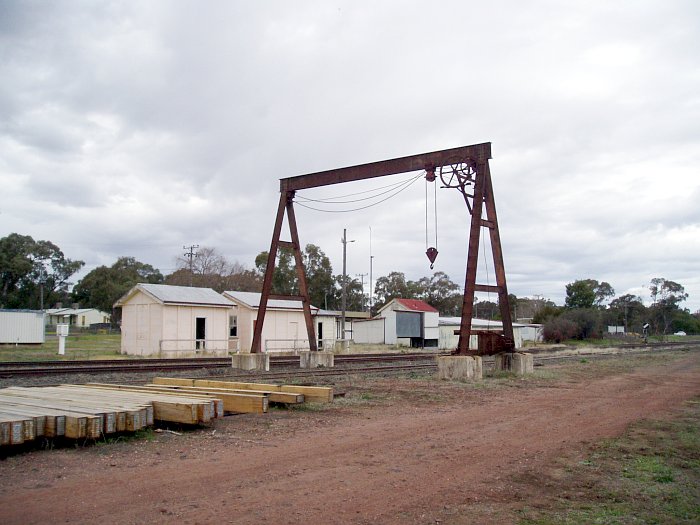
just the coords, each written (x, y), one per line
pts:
(21, 327)
(403, 322)
(172, 321)
(284, 329)
(78, 317)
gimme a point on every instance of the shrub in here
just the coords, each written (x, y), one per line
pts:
(559, 329)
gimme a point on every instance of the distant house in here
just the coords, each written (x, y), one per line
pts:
(403, 322)
(284, 329)
(21, 326)
(521, 332)
(171, 321)
(78, 317)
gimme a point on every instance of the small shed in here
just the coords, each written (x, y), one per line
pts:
(21, 327)
(173, 321)
(403, 322)
(285, 327)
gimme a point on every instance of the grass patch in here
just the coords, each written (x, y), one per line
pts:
(650, 475)
(78, 346)
(144, 434)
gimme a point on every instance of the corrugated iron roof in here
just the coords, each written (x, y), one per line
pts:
(169, 294)
(252, 299)
(416, 305)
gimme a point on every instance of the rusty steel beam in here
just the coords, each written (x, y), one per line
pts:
(477, 152)
(486, 288)
(256, 345)
(472, 260)
(497, 251)
(301, 275)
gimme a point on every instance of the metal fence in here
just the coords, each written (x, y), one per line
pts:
(198, 346)
(296, 345)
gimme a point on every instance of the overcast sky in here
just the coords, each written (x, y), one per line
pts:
(134, 128)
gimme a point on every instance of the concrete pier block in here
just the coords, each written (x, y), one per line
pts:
(251, 361)
(309, 359)
(460, 367)
(520, 363)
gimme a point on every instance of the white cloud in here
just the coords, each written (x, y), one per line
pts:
(132, 129)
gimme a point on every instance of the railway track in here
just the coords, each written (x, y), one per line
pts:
(34, 368)
(344, 363)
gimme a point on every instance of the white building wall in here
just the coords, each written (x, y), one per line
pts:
(284, 330)
(150, 328)
(431, 325)
(390, 327)
(369, 332)
(328, 337)
(21, 327)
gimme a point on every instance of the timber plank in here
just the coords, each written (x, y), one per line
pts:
(274, 397)
(13, 431)
(69, 402)
(205, 408)
(75, 425)
(54, 421)
(311, 393)
(239, 402)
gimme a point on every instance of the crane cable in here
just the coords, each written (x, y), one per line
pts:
(397, 188)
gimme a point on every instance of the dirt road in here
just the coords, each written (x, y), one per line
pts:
(422, 450)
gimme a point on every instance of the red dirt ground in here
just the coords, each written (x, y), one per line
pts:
(404, 451)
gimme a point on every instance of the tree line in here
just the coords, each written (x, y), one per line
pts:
(585, 314)
(37, 273)
(33, 273)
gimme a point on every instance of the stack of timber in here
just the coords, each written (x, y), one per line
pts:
(276, 393)
(97, 409)
(80, 411)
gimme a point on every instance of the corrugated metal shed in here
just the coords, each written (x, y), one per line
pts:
(21, 326)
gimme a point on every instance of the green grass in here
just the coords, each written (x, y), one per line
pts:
(78, 346)
(649, 475)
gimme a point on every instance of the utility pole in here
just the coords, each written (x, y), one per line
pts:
(191, 254)
(343, 297)
(362, 280)
(371, 258)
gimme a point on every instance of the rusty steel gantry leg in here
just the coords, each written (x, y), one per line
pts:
(286, 204)
(483, 198)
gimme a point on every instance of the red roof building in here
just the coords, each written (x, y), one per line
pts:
(416, 305)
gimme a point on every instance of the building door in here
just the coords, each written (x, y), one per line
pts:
(200, 332)
(319, 331)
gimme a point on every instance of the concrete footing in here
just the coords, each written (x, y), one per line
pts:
(251, 361)
(520, 363)
(315, 359)
(460, 367)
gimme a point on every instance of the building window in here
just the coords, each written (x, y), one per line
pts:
(233, 326)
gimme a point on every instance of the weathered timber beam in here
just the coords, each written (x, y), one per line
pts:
(479, 152)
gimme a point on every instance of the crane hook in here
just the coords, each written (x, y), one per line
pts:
(432, 254)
